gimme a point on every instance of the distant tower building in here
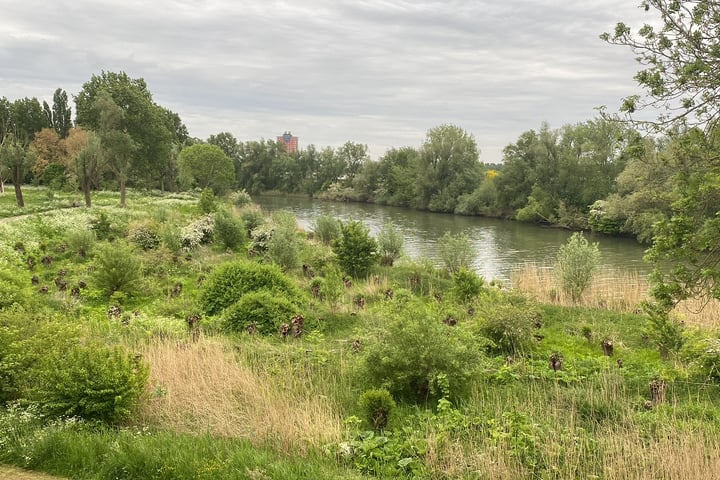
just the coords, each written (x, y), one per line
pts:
(290, 142)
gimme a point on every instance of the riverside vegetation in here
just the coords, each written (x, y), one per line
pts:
(189, 336)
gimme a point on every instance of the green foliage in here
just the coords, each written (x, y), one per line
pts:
(199, 232)
(388, 455)
(229, 230)
(80, 241)
(577, 262)
(117, 269)
(262, 310)
(376, 405)
(419, 359)
(105, 228)
(207, 203)
(666, 332)
(510, 326)
(13, 289)
(231, 281)
(240, 198)
(327, 229)
(467, 285)
(283, 247)
(144, 235)
(252, 217)
(90, 381)
(355, 249)
(456, 251)
(390, 243)
(206, 166)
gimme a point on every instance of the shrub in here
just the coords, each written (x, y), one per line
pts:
(252, 217)
(263, 310)
(376, 405)
(144, 235)
(229, 230)
(283, 247)
(231, 281)
(170, 235)
(456, 251)
(240, 198)
(117, 269)
(576, 264)
(326, 229)
(105, 229)
(80, 241)
(510, 327)
(200, 232)
(418, 358)
(90, 381)
(467, 285)
(390, 244)
(14, 289)
(355, 249)
(207, 204)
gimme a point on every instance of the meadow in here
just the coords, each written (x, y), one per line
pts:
(187, 336)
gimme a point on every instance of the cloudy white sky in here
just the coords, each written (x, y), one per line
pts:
(378, 72)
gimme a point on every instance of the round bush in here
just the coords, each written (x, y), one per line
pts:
(263, 310)
(231, 281)
(229, 230)
(376, 405)
(510, 327)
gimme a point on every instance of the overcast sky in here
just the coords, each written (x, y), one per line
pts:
(377, 72)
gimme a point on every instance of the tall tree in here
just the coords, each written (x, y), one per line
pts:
(449, 167)
(16, 159)
(206, 166)
(152, 128)
(680, 62)
(117, 145)
(86, 159)
(59, 117)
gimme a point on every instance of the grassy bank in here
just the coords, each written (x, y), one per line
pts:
(502, 384)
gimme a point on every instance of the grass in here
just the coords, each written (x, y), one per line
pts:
(242, 406)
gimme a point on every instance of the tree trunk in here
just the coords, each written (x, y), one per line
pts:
(17, 179)
(122, 192)
(86, 191)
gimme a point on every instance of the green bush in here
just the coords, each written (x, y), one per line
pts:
(355, 249)
(207, 203)
(576, 264)
(390, 244)
(418, 358)
(467, 285)
(456, 251)
(80, 241)
(326, 229)
(90, 381)
(376, 405)
(144, 235)
(117, 269)
(283, 246)
(229, 231)
(14, 289)
(240, 198)
(105, 228)
(264, 310)
(252, 217)
(232, 280)
(509, 326)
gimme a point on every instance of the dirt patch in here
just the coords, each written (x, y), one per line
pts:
(12, 473)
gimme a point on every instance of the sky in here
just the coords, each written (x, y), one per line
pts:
(376, 72)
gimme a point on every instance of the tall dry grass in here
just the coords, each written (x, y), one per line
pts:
(612, 289)
(203, 388)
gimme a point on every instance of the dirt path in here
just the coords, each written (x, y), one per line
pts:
(12, 473)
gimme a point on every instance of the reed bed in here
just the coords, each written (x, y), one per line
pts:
(611, 289)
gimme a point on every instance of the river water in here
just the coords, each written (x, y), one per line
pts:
(501, 245)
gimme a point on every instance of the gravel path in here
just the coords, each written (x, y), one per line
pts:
(12, 473)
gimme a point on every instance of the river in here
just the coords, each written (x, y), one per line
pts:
(501, 245)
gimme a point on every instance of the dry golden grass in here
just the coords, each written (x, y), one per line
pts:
(205, 389)
(611, 289)
(12, 473)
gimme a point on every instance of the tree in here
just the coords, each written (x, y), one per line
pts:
(680, 64)
(448, 168)
(86, 162)
(50, 150)
(59, 117)
(152, 128)
(16, 159)
(206, 166)
(680, 60)
(117, 145)
(355, 249)
(576, 264)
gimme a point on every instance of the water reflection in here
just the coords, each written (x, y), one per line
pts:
(500, 245)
